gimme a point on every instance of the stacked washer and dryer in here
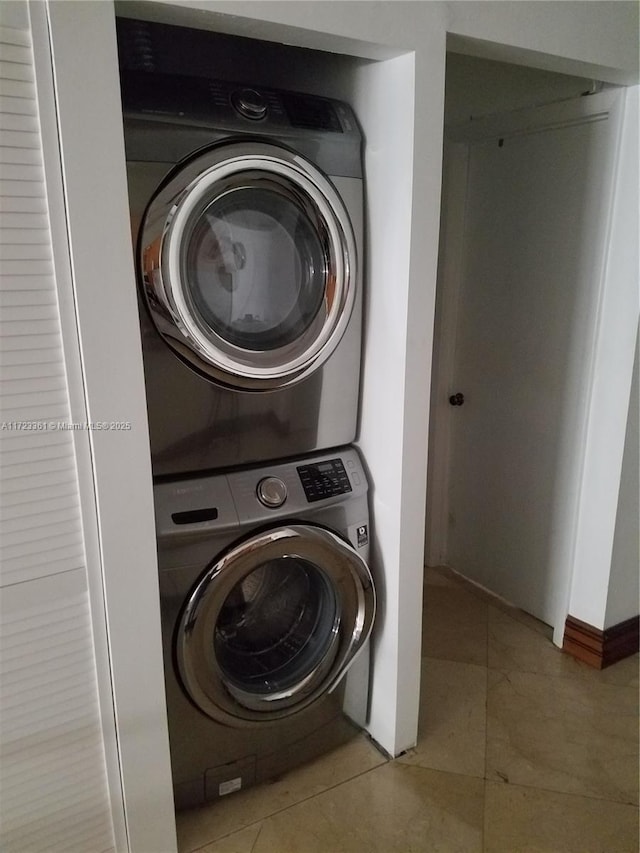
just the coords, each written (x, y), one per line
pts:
(246, 210)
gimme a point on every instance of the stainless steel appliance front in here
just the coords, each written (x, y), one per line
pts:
(248, 236)
(266, 616)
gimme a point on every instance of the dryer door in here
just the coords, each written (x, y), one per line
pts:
(274, 624)
(248, 265)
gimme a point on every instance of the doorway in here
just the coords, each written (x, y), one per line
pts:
(527, 174)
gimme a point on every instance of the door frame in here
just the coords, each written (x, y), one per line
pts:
(608, 104)
(455, 167)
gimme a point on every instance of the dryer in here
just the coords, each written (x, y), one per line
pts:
(267, 604)
(246, 211)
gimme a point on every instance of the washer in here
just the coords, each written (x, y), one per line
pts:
(267, 604)
(246, 211)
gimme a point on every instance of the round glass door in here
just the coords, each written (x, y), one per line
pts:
(274, 624)
(248, 265)
(254, 267)
(276, 627)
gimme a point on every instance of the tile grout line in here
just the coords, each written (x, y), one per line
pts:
(453, 660)
(574, 677)
(486, 739)
(483, 838)
(590, 797)
(253, 846)
(438, 770)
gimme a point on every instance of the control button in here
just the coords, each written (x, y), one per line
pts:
(356, 478)
(271, 492)
(249, 103)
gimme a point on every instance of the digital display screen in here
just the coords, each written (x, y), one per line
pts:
(324, 480)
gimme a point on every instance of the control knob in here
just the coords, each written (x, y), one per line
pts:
(249, 103)
(271, 492)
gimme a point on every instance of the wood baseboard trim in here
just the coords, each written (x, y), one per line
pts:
(601, 648)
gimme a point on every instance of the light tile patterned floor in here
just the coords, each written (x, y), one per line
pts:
(520, 748)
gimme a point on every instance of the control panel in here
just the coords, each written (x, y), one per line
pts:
(220, 103)
(323, 479)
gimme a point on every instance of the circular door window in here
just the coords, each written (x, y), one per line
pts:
(274, 624)
(254, 268)
(277, 626)
(248, 265)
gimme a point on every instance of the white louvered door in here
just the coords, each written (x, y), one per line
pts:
(54, 793)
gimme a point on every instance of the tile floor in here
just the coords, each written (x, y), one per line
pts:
(520, 748)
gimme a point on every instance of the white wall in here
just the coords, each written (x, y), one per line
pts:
(385, 108)
(481, 87)
(611, 371)
(398, 395)
(623, 599)
(568, 37)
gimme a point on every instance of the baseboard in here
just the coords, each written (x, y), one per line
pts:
(601, 648)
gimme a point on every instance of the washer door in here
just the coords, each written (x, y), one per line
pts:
(274, 624)
(248, 265)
